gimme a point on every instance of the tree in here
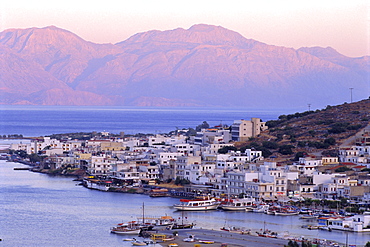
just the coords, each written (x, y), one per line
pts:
(225, 149)
(204, 125)
(286, 149)
(299, 155)
(367, 244)
(270, 145)
(331, 141)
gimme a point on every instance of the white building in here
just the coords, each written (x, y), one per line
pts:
(241, 130)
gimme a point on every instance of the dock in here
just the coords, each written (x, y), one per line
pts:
(221, 238)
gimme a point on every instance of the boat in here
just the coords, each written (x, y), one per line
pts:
(159, 193)
(197, 205)
(131, 227)
(310, 216)
(129, 239)
(262, 208)
(238, 204)
(287, 211)
(168, 238)
(249, 209)
(157, 221)
(206, 241)
(189, 239)
(138, 243)
(181, 226)
(312, 227)
(236, 230)
(267, 234)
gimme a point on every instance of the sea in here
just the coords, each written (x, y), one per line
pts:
(36, 121)
(41, 210)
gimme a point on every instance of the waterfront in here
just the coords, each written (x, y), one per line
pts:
(46, 120)
(42, 210)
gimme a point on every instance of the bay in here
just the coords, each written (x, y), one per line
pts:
(42, 210)
(33, 121)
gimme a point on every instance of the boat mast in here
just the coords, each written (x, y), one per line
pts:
(143, 214)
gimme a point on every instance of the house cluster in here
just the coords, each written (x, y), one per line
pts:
(195, 159)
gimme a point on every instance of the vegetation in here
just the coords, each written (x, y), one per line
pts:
(226, 149)
(181, 181)
(204, 125)
(311, 131)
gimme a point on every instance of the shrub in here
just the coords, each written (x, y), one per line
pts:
(354, 127)
(270, 145)
(286, 149)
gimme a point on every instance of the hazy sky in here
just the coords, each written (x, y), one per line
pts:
(341, 24)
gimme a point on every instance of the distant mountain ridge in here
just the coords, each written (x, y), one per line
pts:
(204, 65)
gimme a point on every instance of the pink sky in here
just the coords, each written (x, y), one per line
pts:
(341, 24)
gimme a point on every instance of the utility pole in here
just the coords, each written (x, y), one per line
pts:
(351, 88)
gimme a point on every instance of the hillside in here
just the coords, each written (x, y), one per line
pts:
(314, 132)
(204, 65)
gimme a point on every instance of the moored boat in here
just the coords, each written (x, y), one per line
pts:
(262, 208)
(197, 205)
(206, 241)
(189, 239)
(238, 204)
(287, 213)
(138, 243)
(131, 227)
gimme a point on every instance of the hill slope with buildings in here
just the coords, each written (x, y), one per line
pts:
(317, 132)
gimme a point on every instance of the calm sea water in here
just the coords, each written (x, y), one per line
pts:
(46, 120)
(41, 210)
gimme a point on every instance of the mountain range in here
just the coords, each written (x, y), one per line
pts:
(204, 65)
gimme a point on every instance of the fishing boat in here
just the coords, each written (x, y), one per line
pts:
(157, 220)
(267, 234)
(131, 227)
(197, 205)
(238, 204)
(287, 211)
(181, 226)
(236, 230)
(313, 227)
(309, 216)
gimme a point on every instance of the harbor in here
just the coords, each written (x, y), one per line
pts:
(54, 202)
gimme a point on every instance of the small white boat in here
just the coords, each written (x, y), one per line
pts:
(195, 205)
(286, 213)
(261, 208)
(189, 239)
(138, 243)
